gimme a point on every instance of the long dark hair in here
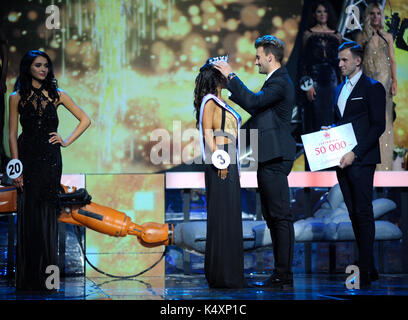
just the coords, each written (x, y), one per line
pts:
(24, 79)
(331, 15)
(206, 82)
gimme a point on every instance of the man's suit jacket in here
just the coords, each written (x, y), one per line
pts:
(365, 109)
(271, 111)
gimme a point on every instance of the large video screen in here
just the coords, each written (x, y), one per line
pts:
(131, 66)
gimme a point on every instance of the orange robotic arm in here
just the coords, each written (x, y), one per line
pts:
(78, 209)
(112, 222)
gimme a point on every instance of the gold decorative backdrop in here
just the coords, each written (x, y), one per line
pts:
(131, 64)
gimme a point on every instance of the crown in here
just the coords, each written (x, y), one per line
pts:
(211, 61)
(217, 59)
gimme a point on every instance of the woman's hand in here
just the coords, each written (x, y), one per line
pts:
(394, 88)
(222, 173)
(311, 94)
(18, 182)
(56, 138)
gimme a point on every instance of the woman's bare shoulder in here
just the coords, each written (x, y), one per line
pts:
(15, 96)
(211, 104)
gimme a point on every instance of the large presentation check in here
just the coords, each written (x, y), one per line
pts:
(325, 148)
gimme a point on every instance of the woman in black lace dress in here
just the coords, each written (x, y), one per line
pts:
(320, 62)
(35, 100)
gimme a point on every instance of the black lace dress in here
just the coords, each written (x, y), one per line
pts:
(38, 207)
(320, 62)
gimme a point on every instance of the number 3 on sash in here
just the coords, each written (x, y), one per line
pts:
(220, 159)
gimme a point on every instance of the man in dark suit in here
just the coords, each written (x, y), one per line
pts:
(271, 111)
(360, 101)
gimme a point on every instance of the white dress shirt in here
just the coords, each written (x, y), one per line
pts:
(269, 74)
(346, 91)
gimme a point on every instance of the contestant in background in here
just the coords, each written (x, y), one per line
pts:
(360, 100)
(320, 62)
(34, 102)
(219, 128)
(379, 64)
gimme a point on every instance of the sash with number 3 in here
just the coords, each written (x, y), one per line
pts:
(222, 104)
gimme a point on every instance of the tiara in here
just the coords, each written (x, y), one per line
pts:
(211, 61)
(217, 59)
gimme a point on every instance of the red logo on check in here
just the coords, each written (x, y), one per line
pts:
(327, 135)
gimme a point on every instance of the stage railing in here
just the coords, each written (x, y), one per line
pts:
(297, 179)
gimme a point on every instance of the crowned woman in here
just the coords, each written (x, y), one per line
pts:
(219, 126)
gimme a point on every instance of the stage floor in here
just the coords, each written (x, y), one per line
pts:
(194, 287)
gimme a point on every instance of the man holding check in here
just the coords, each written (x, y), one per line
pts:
(360, 101)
